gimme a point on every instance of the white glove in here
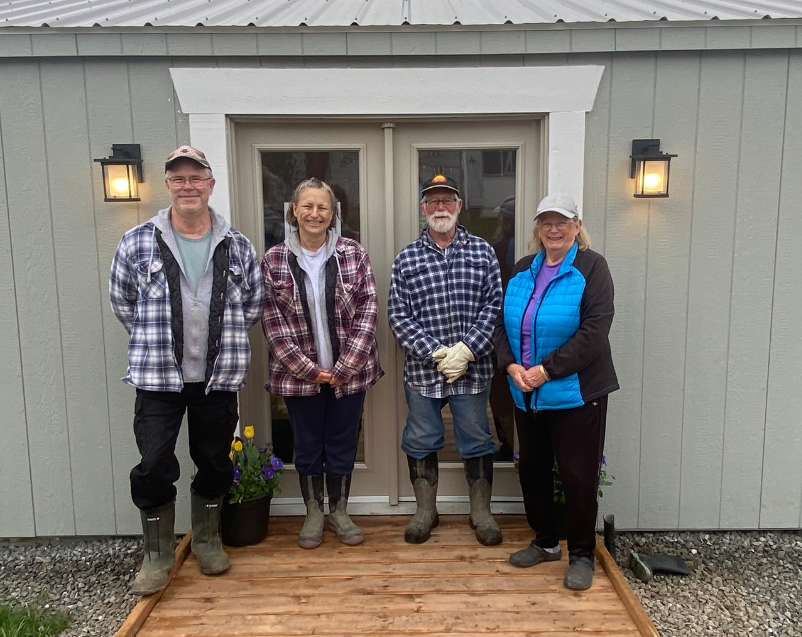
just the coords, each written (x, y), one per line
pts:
(440, 354)
(456, 360)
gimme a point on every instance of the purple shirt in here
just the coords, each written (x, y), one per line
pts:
(542, 280)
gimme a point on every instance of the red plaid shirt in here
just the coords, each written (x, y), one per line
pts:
(293, 358)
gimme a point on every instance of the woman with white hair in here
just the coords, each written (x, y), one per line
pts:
(552, 338)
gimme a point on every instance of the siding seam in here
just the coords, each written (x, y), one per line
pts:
(688, 280)
(732, 276)
(19, 339)
(58, 295)
(774, 289)
(101, 295)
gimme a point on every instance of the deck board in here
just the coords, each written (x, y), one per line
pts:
(450, 585)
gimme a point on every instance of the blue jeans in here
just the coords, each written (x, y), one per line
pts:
(425, 431)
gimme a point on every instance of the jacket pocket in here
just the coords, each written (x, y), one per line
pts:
(151, 279)
(347, 297)
(235, 285)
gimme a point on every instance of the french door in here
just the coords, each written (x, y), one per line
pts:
(375, 169)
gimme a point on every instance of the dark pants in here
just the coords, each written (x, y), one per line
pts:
(212, 419)
(576, 438)
(326, 431)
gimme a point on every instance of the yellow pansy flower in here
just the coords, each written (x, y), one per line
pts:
(248, 432)
(237, 445)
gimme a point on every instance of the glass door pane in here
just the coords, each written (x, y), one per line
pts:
(487, 179)
(282, 171)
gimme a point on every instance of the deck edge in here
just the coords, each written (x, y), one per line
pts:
(145, 605)
(624, 590)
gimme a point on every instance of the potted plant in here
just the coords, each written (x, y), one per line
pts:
(256, 477)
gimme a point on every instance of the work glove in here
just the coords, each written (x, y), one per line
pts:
(440, 353)
(455, 362)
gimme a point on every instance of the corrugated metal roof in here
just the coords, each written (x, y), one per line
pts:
(313, 13)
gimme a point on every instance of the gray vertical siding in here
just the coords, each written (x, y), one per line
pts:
(705, 432)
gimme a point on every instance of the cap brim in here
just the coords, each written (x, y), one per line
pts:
(190, 157)
(441, 186)
(562, 211)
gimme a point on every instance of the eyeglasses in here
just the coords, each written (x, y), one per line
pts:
(182, 181)
(548, 225)
(447, 202)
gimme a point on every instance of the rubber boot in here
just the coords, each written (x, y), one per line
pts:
(207, 545)
(423, 474)
(479, 473)
(339, 487)
(311, 534)
(158, 536)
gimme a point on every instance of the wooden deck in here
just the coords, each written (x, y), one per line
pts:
(451, 585)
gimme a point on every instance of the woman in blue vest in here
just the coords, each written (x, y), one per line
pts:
(552, 338)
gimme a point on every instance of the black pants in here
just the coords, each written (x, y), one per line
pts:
(576, 438)
(326, 431)
(212, 419)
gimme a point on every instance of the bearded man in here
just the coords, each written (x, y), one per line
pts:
(445, 294)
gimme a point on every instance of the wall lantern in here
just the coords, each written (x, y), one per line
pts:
(649, 168)
(122, 172)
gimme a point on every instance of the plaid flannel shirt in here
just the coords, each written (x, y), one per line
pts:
(439, 298)
(293, 357)
(140, 299)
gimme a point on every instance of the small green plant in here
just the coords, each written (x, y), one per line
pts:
(31, 621)
(605, 479)
(256, 469)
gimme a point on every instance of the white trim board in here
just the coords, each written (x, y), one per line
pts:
(565, 93)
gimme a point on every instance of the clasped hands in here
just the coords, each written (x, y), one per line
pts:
(526, 379)
(453, 361)
(327, 377)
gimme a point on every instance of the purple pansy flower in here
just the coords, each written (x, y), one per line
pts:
(268, 472)
(276, 463)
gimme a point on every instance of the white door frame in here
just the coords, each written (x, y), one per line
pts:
(563, 94)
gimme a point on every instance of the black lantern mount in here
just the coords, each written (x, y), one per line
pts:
(650, 168)
(122, 173)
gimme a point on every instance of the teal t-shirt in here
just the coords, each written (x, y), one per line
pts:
(194, 256)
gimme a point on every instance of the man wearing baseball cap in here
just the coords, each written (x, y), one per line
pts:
(445, 294)
(186, 286)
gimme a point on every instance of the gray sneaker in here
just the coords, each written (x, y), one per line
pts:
(580, 573)
(532, 555)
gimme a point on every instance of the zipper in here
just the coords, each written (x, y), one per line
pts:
(534, 322)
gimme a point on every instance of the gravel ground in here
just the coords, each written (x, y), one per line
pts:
(740, 583)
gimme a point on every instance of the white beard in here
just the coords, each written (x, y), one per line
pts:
(442, 225)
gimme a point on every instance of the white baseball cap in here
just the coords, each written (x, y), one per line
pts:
(558, 202)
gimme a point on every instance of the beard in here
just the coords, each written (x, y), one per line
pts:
(442, 224)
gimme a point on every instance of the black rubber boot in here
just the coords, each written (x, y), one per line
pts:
(311, 534)
(423, 474)
(339, 487)
(479, 473)
(207, 545)
(158, 536)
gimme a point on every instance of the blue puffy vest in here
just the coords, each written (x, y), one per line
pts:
(554, 321)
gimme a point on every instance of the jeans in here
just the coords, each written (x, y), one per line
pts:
(424, 432)
(326, 431)
(211, 420)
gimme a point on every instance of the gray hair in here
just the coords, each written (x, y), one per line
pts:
(312, 182)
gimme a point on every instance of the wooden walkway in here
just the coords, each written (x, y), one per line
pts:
(451, 585)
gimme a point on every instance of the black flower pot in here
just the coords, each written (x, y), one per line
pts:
(245, 523)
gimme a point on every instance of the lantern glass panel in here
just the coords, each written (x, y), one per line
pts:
(652, 178)
(120, 182)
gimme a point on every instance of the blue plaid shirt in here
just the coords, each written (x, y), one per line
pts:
(439, 298)
(140, 299)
